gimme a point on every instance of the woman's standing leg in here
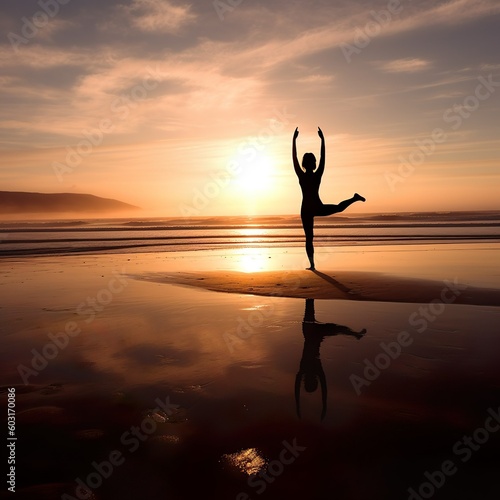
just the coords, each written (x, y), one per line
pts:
(308, 225)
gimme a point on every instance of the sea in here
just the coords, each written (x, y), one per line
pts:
(162, 234)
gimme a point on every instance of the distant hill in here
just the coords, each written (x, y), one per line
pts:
(18, 202)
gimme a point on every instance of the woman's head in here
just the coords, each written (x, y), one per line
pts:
(309, 162)
(310, 382)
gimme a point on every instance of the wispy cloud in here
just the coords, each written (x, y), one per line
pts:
(317, 79)
(40, 56)
(452, 94)
(408, 65)
(454, 12)
(158, 15)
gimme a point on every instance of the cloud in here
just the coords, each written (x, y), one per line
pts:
(317, 79)
(45, 56)
(451, 94)
(407, 65)
(158, 15)
(454, 12)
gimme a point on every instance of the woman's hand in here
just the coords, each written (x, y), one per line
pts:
(320, 133)
(296, 133)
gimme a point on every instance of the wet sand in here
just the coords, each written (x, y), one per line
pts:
(216, 374)
(348, 285)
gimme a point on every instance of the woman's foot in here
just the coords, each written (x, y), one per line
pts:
(361, 334)
(312, 268)
(358, 197)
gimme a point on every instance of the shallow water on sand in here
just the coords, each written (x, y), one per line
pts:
(216, 373)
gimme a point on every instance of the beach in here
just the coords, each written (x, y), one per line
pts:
(250, 250)
(130, 369)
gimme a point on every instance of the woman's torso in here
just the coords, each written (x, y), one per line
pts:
(309, 183)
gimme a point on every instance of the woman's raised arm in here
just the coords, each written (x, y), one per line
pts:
(296, 164)
(321, 166)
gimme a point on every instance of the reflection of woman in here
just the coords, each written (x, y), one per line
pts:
(309, 180)
(310, 365)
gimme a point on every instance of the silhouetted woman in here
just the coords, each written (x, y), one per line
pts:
(309, 180)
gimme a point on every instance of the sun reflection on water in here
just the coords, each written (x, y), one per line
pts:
(252, 260)
(249, 461)
(253, 234)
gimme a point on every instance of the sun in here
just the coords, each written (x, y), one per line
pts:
(256, 174)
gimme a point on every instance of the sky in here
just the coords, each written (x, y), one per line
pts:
(188, 109)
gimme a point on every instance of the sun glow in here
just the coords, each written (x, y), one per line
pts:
(256, 173)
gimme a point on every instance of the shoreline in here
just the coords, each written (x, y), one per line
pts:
(173, 247)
